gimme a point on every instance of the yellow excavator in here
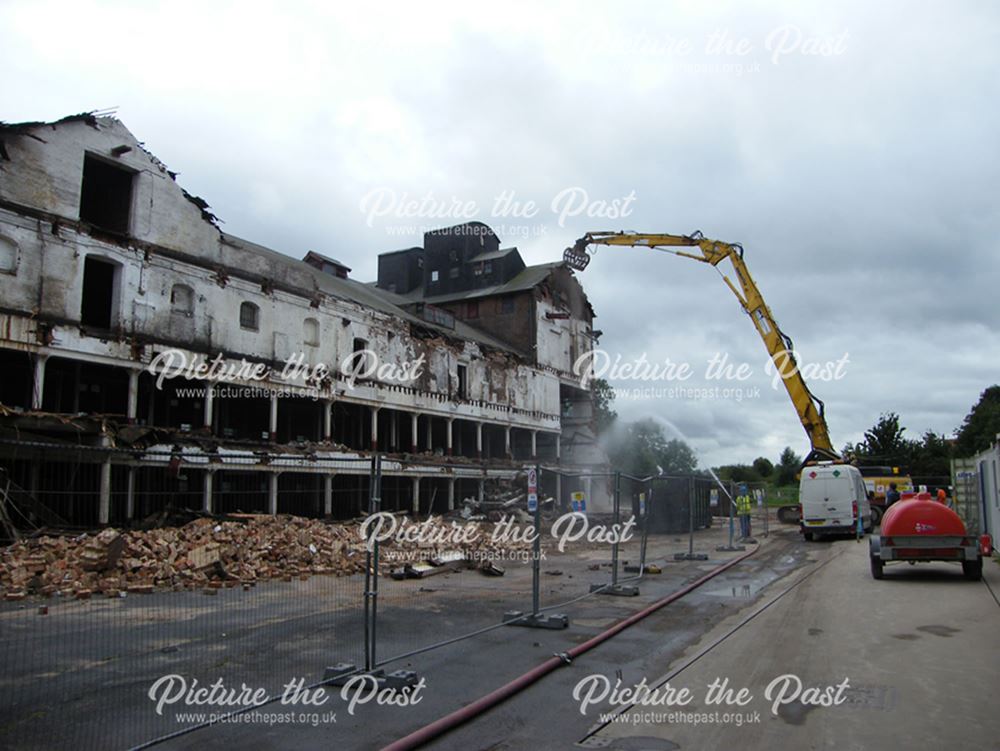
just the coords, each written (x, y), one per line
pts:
(779, 346)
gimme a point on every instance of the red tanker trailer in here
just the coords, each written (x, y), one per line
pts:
(921, 529)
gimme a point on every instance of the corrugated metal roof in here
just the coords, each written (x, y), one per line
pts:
(493, 255)
(529, 278)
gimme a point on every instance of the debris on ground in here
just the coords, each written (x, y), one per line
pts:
(209, 553)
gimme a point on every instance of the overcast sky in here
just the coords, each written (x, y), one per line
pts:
(852, 148)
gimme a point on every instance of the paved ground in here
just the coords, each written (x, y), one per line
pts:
(919, 651)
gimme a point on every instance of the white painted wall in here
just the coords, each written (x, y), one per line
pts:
(48, 280)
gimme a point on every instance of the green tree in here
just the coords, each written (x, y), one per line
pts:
(788, 466)
(642, 449)
(932, 455)
(885, 443)
(763, 466)
(738, 473)
(604, 397)
(981, 425)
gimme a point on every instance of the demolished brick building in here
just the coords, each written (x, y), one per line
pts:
(112, 274)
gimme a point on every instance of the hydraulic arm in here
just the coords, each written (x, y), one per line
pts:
(779, 346)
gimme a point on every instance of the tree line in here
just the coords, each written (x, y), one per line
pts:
(641, 448)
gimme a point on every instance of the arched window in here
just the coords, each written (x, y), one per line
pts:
(182, 299)
(249, 316)
(310, 332)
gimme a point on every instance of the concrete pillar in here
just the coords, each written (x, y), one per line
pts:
(534, 444)
(328, 421)
(207, 417)
(586, 492)
(104, 508)
(206, 492)
(479, 440)
(272, 493)
(34, 476)
(448, 444)
(375, 428)
(451, 493)
(416, 496)
(327, 496)
(558, 446)
(558, 491)
(394, 431)
(414, 418)
(506, 442)
(482, 490)
(130, 494)
(132, 406)
(38, 382)
(430, 434)
(273, 424)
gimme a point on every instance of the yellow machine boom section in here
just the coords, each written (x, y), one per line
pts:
(779, 346)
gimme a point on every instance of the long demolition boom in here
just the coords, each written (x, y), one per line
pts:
(779, 346)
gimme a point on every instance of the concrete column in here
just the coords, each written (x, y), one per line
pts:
(104, 508)
(479, 440)
(506, 442)
(33, 479)
(327, 496)
(130, 494)
(207, 417)
(451, 493)
(558, 492)
(375, 428)
(448, 444)
(273, 424)
(482, 490)
(132, 407)
(38, 382)
(534, 444)
(430, 434)
(394, 432)
(206, 493)
(414, 418)
(272, 493)
(328, 421)
(558, 446)
(416, 496)
(586, 492)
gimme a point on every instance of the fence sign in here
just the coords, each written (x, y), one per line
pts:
(642, 504)
(579, 501)
(713, 497)
(532, 491)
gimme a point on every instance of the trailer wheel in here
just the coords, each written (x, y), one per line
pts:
(876, 516)
(877, 567)
(973, 570)
(808, 536)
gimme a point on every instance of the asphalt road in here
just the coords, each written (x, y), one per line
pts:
(920, 652)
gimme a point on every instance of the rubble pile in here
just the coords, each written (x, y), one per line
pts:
(205, 553)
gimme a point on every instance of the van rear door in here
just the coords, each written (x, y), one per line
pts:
(841, 494)
(827, 501)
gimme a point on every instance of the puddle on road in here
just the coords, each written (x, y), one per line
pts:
(633, 743)
(795, 713)
(741, 591)
(945, 631)
(744, 590)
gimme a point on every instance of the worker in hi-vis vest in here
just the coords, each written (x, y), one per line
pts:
(744, 505)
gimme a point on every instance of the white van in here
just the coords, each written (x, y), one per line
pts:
(830, 497)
